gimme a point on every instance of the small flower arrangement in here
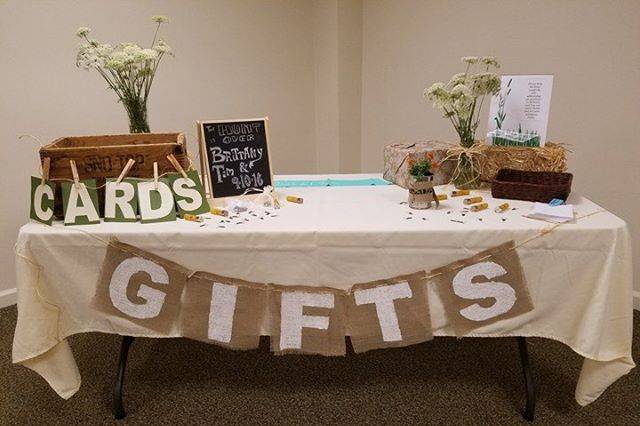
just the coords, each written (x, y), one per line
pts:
(127, 68)
(424, 168)
(461, 101)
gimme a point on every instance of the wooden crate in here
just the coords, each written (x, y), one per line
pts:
(100, 157)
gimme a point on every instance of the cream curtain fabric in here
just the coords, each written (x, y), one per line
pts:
(579, 275)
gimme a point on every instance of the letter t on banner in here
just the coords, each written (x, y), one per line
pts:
(389, 313)
(307, 320)
(224, 311)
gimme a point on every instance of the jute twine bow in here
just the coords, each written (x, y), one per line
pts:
(475, 155)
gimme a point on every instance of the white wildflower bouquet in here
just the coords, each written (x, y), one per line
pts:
(127, 68)
(461, 101)
(462, 97)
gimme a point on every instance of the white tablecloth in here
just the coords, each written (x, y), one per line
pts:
(579, 275)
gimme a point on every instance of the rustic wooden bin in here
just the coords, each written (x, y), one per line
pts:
(100, 157)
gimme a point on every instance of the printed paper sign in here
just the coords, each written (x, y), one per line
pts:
(307, 320)
(42, 200)
(519, 113)
(483, 289)
(189, 193)
(140, 287)
(389, 313)
(224, 311)
(80, 202)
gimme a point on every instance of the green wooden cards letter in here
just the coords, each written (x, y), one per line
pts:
(42, 197)
(189, 193)
(80, 202)
(156, 205)
(120, 201)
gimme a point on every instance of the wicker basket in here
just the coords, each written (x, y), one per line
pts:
(531, 186)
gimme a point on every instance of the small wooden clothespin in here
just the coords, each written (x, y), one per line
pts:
(177, 165)
(126, 169)
(74, 172)
(155, 175)
(46, 165)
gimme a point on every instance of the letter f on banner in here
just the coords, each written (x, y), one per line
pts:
(292, 318)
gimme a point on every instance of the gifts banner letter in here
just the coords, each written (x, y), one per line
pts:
(224, 311)
(120, 203)
(189, 193)
(389, 313)
(42, 198)
(80, 202)
(140, 287)
(307, 320)
(156, 205)
(471, 296)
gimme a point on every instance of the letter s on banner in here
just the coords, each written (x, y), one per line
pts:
(470, 303)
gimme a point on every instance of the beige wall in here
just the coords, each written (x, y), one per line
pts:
(338, 78)
(592, 48)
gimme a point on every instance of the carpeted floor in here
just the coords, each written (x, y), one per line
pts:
(447, 381)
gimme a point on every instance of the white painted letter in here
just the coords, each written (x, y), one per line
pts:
(185, 188)
(383, 298)
(111, 199)
(223, 306)
(464, 287)
(41, 191)
(85, 208)
(292, 320)
(120, 281)
(144, 200)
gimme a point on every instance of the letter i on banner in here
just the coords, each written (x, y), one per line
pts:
(389, 313)
(307, 320)
(140, 287)
(483, 289)
(224, 311)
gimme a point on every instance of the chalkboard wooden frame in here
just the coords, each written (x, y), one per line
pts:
(204, 158)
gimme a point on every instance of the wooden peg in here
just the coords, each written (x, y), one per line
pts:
(177, 165)
(155, 175)
(74, 172)
(126, 169)
(46, 165)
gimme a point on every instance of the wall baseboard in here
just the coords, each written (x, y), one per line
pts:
(8, 297)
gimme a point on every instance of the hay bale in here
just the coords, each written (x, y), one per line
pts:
(549, 158)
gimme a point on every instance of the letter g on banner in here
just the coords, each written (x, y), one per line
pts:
(140, 287)
(154, 299)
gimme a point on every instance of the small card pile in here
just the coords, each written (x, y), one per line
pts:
(555, 214)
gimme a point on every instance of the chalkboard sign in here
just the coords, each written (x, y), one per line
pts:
(234, 156)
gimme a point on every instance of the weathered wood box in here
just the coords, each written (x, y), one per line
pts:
(100, 157)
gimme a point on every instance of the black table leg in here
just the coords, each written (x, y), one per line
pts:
(118, 407)
(528, 380)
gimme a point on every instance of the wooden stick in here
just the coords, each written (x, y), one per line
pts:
(177, 165)
(155, 175)
(74, 172)
(126, 169)
(46, 165)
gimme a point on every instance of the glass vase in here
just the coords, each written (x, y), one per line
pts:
(137, 112)
(467, 174)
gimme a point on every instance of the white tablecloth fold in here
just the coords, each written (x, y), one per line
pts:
(579, 275)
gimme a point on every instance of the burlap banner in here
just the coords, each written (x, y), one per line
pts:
(389, 313)
(309, 320)
(148, 290)
(224, 311)
(473, 299)
(140, 286)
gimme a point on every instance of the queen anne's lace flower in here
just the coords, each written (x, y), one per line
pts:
(470, 60)
(490, 61)
(159, 19)
(83, 31)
